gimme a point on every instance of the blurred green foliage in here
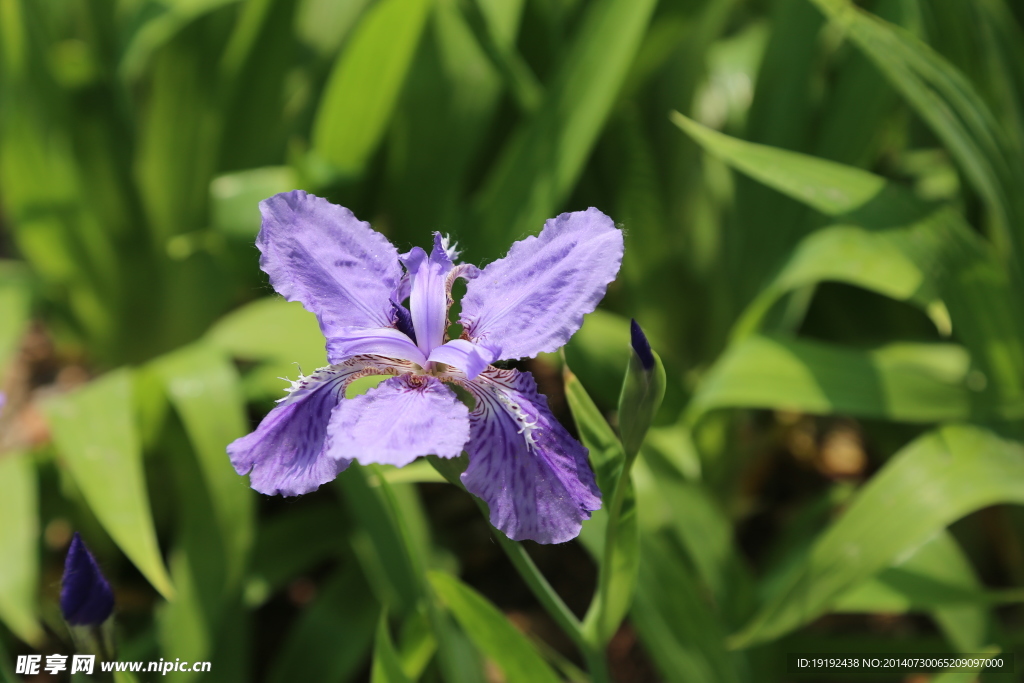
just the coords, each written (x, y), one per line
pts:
(824, 237)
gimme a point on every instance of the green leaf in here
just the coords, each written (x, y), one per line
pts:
(387, 558)
(938, 578)
(932, 258)
(833, 189)
(363, 87)
(606, 454)
(684, 635)
(331, 637)
(386, 668)
(235, 197)
(491, 632)
(880, 261)
(948, 102)
(14, 309)
(161, 29)
(904, 381)
(204, 388)
(931, 483)
(94, 432)
(607, 457)
(182, 625)
(271, 329)
(19, 546)
(545, 155)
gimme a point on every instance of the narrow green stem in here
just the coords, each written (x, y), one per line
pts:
(604, 576)
(554, 605)
(540, 587)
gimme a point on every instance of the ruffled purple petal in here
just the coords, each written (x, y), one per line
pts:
(399, 420)
(85, 595)
(382, 341)
(428, 294)
(535, 298)
(533, 475)
(466, 356)
(320, 254)
(287, 454)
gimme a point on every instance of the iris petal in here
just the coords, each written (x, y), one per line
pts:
(534, 476)
(286, 455)
(428, 294)
(535, 298)
(401, 419)
(382, 341)
(466, 356)
(320, 254)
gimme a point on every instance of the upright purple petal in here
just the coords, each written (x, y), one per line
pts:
(382, 341)
(85, 595)
(399, 420)
(320, 254)
(533, 475)
(286, 455)
(535, 298)
(428, 294)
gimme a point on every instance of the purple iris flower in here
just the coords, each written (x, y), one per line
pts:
(533, 475)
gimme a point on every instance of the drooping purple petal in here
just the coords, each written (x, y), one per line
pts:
(428, 295)
(533, 475)
(535, 298)
(382, 341)
(399, 420)
(466, 356)
(287, 454)
(85, 596)
(320, 254)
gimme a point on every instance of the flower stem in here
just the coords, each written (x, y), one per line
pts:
(592, 653)
(604, 576)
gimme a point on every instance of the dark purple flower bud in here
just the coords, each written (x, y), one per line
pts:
(641, 346)
(85, 596)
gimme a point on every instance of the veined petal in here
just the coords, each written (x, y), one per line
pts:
(381, 341)
(399, 420)
(534, 476)
(428, 294)
(286, 454)
(320, 254)
(465, 355)
(535, 298)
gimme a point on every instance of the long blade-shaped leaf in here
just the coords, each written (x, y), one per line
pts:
(545, 156)
(491, 632)
(931, 483)
(948, 102)
(19, 540)
(204, 388)
(905, 382)
(95, 433)
(364, 86)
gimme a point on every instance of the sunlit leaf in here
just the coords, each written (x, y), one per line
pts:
(905, 382)
(204, 388)
(386, 668)
(364, 85)
(94, 431)
(491, 632)
(544, 157)
(19, 540)
(607, 457)
(931, 483)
